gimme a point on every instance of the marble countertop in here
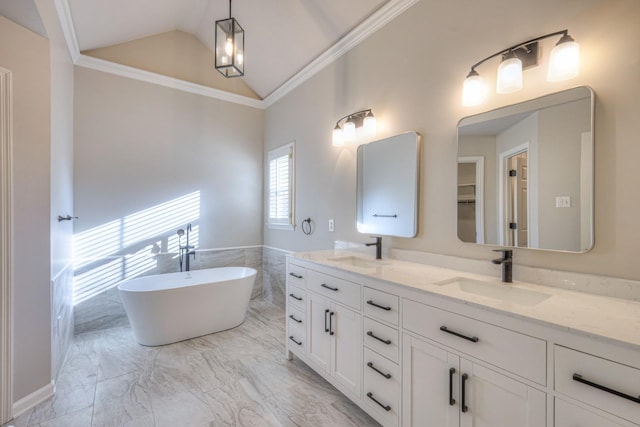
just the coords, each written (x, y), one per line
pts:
(610, 319)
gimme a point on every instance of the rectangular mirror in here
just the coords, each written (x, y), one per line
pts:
(387, 186)
(525, 174)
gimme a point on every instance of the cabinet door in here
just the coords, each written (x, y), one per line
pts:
(569, 415)
(426, 385)
(495, 400)
(318, 332)
(347, 347)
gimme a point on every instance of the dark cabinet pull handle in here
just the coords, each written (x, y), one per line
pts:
(387, 376)
(578, 377)
(292, 317)
(387, 342)
(385, 407)
(447, 330)
(324, 285)
(295, 297)
(452, 401)
(293, 339)
(379, 306)
(295, 275)
(463, 404)
(331, 323)
(326, 328)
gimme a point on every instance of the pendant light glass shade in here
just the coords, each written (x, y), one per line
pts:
(338, 137)
(369, 125)
(349, 131)
(564, 62)
(509, 74)
(473, 90)
(229, 48)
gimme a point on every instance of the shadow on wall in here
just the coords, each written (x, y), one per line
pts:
(131, 246)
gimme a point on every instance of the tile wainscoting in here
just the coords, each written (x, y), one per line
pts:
(105, 310)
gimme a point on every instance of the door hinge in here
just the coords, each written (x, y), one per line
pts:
(513, 226)
(513, 172)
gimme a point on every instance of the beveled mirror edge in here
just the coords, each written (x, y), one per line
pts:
(418, 138)
(592, 96)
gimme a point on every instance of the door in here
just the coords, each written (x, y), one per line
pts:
(430, 385)
(495, 400)
(318, 332)
(518, 200)
(347, 347)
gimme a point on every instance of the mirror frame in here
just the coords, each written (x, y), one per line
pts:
(519, 108)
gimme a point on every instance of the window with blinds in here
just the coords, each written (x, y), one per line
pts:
(281, 187)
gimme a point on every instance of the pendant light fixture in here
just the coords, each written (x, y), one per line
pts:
(229, 47)
(564, 64)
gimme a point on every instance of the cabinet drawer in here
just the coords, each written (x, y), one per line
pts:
(339, 290)
(381, 305)
(296, 335)
(382, 338)
(296, 317)
(512, 351)
(296, 275)
(382, 380)
(569, 415)
(608, 382)
(297, 298)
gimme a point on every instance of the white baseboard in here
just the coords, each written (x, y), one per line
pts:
(31, 400)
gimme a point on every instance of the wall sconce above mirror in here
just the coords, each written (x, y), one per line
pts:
(353, 127)
(387, 186)
(564, 64)
(525, 174)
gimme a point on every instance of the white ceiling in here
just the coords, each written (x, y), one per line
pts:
(25, 13)
(281, 36)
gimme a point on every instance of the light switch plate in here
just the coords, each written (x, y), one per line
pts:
(563, 201)
(331, 225)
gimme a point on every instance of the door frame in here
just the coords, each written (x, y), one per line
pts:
(479, 193)
(6, 238)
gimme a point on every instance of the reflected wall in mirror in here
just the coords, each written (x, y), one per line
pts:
(525, 174)
(387, 186)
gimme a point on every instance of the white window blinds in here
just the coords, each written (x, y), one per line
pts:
(281, 187)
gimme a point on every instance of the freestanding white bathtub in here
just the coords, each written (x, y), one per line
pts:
(167, 308)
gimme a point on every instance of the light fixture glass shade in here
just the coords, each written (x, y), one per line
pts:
(370, 126)
(509, 74)
(564, 61)
(473, 90)
(338, 137)
(229, 48)
(349, 131)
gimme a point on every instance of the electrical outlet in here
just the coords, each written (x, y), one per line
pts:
(331, 225)
(563, 201)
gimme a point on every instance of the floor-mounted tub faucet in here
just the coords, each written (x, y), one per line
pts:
(185, 250)
(507, 264)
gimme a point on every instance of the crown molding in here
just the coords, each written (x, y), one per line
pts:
(162, 80)
(376, 21)
(68, 30)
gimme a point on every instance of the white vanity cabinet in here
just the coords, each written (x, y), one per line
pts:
(296, 309)
(444, 386)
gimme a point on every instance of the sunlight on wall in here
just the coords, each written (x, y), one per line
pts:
(129, 246)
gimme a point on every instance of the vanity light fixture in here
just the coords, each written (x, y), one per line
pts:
(229, 47)
(564, 63)
(348, 131)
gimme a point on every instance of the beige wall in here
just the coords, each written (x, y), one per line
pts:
(138, 145)
(26, 55)
(411, 71)
(174, 54)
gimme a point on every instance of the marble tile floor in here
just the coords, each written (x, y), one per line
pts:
(238, 377)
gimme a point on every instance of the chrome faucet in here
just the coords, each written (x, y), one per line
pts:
(378, 245)
(185, 250)
(507, 264)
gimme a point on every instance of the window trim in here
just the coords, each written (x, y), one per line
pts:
(289, 148)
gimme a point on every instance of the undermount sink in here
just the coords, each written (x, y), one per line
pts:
(497, 291)
(359, 262)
